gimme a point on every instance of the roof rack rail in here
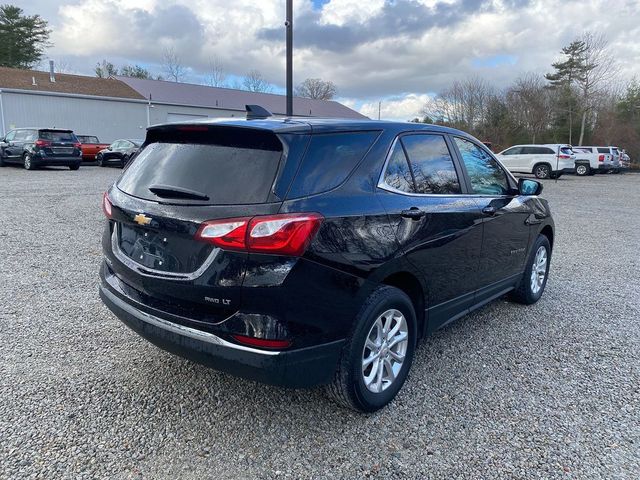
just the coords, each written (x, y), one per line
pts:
(256, 111)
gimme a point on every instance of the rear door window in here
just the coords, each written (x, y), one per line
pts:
(329, 160)
(431, 164)
(398, 175)
(237, 169)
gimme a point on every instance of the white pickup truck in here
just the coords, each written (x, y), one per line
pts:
(592, 160)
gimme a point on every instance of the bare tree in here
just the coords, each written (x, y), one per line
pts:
(216, 76)
(463, 105)
(255, 82)
(62, 65)
(596, 79)
(316, 88)
(529, 104)
(172, 65)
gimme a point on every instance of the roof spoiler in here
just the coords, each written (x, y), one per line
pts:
(256, 111)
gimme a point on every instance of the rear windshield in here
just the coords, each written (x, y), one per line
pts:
(226, 174)
(566, 151)
(55, 136)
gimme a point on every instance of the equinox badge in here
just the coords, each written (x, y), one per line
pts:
(142, 219)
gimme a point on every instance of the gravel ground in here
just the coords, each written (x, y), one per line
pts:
(547, 391)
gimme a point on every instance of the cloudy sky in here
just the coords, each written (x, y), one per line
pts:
(396, 51)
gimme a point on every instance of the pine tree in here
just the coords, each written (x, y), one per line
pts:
(569, 73)
(23, 39)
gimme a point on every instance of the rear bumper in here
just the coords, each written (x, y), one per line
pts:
(304, 367)
(53, 161)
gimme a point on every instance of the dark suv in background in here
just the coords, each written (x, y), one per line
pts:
(40, 147)
(303, 252)
(120, 151)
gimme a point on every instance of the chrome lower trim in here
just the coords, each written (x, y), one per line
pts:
(150, 272)
(181, 329)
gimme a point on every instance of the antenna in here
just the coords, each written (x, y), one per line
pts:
(256, 111)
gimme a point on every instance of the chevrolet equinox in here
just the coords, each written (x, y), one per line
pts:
(300, 252)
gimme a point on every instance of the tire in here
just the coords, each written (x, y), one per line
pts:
(582, 170)
(542, 171)
(99, 161)
(124, 161)
(531, 289)
(75, 166)
(349, 387)
(28, 162)
(2, 162)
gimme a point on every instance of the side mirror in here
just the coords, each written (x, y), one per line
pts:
(529, 187)
(109, 148)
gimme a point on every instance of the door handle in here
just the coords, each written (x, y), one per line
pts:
(413, 213)
(489, 210)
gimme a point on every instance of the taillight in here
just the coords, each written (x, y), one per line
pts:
(229, 234)
(262, 342)
(564, 156)
(76, 145)
(285, 234)
(601, 158)
(42, 143)
(107, 208)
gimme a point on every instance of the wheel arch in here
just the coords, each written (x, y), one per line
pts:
(547, 231)
(537, 164)
(409, 284)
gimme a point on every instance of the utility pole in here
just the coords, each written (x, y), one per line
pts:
(379, 108)
(289, 26)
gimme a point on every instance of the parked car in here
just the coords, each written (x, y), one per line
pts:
(613, 152)
(544, 161)
(316, 251)
(90, 146)
(39, 147)
(120, 151)
(589, 161)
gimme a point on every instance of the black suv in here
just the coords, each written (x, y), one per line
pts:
(303, 252)
(39, 147)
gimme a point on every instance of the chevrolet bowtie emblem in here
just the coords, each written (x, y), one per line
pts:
(142, 219)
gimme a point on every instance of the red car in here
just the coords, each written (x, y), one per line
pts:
(90, 146)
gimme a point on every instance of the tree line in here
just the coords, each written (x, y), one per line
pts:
(576, 102)
(579, 102)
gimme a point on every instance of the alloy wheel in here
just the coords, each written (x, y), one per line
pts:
(27, 162)
(581, 170)
(385, 350)
(539, 270)
(542, 171)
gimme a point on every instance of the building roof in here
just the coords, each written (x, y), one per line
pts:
(229, 99)
(65, 83)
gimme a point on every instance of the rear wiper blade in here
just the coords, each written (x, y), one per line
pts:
(169, 191)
